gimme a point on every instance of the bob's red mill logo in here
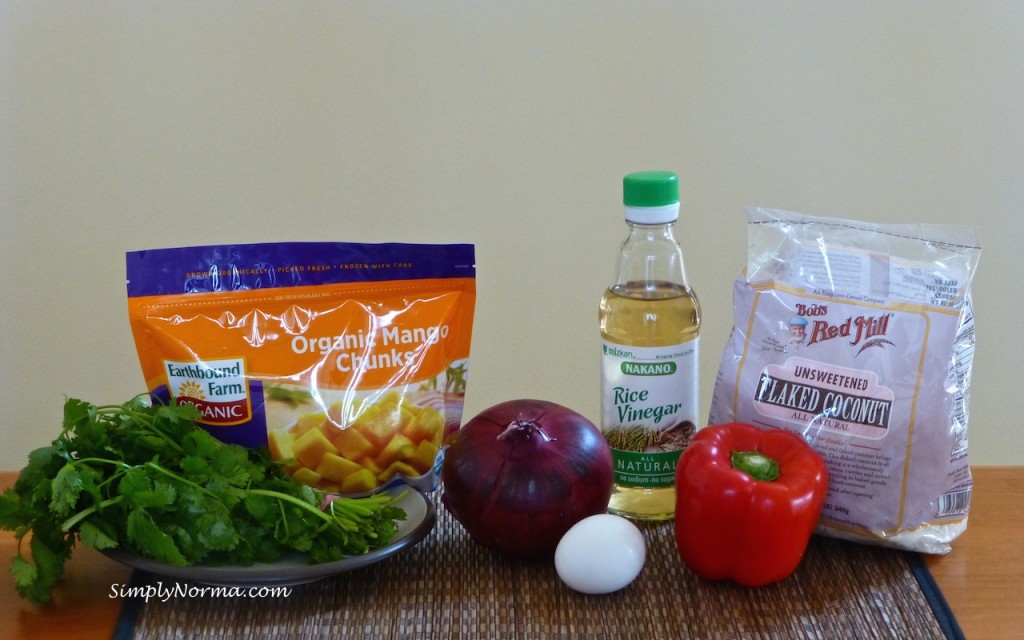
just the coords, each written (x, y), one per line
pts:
(867, 331)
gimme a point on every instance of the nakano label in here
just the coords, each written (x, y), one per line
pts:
(648, 369)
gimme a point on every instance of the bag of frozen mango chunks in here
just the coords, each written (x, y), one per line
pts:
(348, 361)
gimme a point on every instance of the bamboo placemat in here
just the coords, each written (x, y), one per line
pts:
(448, 587)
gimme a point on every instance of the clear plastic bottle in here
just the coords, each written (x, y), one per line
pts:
(650, 325)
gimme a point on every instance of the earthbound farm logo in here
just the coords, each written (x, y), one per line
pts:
(808, 327)
(217, 388)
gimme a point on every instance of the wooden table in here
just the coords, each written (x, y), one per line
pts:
(978, 578)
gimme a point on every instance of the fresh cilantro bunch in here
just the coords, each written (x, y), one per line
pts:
(146, 478)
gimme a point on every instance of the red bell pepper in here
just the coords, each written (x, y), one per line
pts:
(747, 501)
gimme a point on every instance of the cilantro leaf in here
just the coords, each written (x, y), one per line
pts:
(95, 538)
(201, 444)
(150, 540)
(66, 488)
(23, 571)
(43, 464)
(217, 534)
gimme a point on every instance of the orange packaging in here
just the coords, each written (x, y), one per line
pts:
(348, 361)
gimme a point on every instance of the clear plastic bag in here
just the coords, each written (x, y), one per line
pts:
(348, 361)
(860, 337)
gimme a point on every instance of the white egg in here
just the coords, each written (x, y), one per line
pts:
(600, 554)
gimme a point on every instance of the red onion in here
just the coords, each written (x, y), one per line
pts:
(521, 473)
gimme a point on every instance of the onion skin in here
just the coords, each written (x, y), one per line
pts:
(522, 473)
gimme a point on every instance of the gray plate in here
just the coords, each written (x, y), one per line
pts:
(295, 569)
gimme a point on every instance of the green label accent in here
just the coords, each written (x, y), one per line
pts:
(648, 368)
(647, 470)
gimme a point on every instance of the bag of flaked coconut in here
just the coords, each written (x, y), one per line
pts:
(860, 338)
(347, 361)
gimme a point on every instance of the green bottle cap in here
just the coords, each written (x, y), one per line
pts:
(651, 197)
(650, 189)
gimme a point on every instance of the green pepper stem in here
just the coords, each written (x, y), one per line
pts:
(756, 465)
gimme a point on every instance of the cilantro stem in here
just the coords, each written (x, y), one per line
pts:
(141, 415)
(116, 463)
(147, 420)
(85, 513)
(174, 476)
(292, 499)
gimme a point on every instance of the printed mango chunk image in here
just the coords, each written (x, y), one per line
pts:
(388, 437)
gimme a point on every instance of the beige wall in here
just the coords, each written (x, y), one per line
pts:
(129, 125)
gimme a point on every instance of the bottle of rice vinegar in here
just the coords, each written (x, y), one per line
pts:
(650, 324)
